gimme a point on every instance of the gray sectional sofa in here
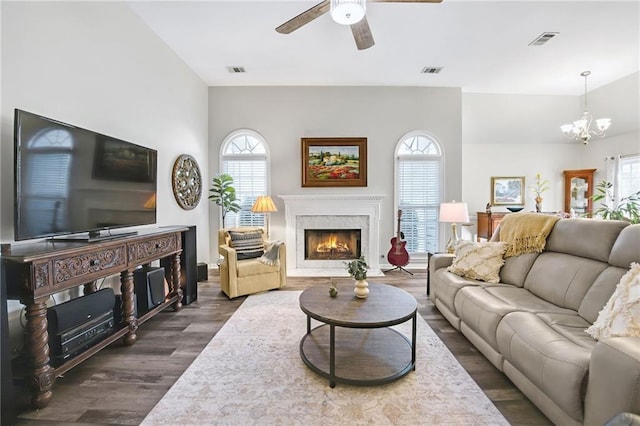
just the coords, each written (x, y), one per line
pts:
(532, 324)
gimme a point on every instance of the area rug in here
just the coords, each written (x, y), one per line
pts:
(251, 373)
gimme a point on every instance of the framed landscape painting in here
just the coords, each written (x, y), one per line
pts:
(334, 162)
(507, 191)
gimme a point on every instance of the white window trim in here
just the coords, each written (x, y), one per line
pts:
(420, 259)
(267, 155)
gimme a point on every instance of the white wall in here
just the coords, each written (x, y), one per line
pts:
(96, 65)
(519, 135)
(620, 101)
(283, 115)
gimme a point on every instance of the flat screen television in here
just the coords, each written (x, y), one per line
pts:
(75, 183)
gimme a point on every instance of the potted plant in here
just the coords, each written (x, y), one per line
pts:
(538, 189)
(224, 194)
(357, 268)
(628, 208)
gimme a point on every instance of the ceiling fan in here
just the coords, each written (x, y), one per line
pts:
(347, 12)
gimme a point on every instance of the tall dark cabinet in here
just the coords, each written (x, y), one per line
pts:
(188, 266)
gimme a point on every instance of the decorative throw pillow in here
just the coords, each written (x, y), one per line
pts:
(479, 261)
(248, 245)
(621, 315)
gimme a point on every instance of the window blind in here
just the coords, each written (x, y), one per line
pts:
(419, 200)
(249, 180)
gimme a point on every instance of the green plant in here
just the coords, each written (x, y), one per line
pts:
(357, 268)
(628, 208)
(540, 186)
(224, 194)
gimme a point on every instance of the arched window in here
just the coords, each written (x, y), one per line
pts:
(419, 182)
(245, 156)
(47, 175)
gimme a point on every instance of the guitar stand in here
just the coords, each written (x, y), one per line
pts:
(399, 267)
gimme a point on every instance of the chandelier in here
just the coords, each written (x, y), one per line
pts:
(348, 12)
(581, 130)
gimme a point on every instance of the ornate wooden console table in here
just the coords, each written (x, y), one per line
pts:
(36, 271)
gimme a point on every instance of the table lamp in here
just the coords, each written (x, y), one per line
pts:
(264, 204)
(453, 213)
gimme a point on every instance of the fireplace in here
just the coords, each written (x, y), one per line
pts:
(332, 244)
(334, 212)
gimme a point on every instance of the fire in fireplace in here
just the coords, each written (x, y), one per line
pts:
(331, 244)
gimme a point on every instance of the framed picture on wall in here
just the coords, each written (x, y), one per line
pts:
(334, 162)
(507, 191)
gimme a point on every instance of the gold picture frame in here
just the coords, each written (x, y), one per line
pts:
(507, 191)
(334, 162)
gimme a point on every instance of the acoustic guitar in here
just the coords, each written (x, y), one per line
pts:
(398, 255)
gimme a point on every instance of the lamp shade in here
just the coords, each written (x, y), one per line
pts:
(264, 204)
(454, 212)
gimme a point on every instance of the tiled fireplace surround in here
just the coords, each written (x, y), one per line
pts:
(320, 211)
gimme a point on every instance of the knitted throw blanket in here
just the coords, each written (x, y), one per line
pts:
(526, 232)
(271, 255)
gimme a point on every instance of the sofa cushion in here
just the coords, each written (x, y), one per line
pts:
(590, 238)
(447, 284)
(600, 292)
(626, 249)
(482, 308)
(248, 245)
(571, 327)
(555, 364)
(621, 315)
(563, 279)
(515, 269)
(479, 261)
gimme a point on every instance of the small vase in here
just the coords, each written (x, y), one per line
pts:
(361, 289)
(538, 204)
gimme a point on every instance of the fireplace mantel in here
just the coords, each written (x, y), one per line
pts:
(325, 208)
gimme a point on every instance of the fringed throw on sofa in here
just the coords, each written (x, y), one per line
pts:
(526, 232)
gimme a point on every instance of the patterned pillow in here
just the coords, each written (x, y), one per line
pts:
(621, 315)
(479, 261)
(248, 245)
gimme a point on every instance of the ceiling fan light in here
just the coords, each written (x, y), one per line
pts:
(348, 12)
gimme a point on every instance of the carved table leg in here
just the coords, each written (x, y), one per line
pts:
(126, 287)
(175, 281)
(37, 340)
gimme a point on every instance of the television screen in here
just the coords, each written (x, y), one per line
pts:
(70, 180)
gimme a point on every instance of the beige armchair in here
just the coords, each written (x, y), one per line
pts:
(239, 277)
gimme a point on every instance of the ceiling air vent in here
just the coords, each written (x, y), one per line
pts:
(431, 70)
(543, 38)
(234, 70)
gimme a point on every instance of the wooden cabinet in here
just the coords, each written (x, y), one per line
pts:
(487, 224)
(33, 272)
(578, 189)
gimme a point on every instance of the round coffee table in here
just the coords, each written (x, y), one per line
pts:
(355, 344)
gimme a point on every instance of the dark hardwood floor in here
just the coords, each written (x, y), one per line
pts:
(120, 384)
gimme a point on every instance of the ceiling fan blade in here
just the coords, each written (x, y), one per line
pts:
(304, 18)
(362, 34)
